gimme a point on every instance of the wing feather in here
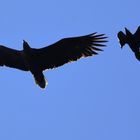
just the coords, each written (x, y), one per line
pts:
(69, 49)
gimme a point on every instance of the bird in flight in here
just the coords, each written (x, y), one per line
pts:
(133, 40)
(52, 56)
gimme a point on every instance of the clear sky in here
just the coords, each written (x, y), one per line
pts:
(97, 98)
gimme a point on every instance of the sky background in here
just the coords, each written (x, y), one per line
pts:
(96, 98)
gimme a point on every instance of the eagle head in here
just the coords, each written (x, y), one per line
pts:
(25, 45)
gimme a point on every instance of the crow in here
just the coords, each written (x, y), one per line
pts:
(133, 40)
(55, 55)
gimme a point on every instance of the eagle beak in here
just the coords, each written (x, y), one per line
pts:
(25, 44)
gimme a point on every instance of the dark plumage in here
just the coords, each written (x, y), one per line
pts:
(55, 55)
(133, 40)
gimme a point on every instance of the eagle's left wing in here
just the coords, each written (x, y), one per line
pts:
(69, 49)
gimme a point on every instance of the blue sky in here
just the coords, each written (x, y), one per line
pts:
(95, 98)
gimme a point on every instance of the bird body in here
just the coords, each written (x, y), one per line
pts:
(55, 55)
(133, 40)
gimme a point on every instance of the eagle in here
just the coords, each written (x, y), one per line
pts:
(63, 51)
(133, 40)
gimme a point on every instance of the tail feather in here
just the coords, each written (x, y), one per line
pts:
(40, 80)
(122, 38)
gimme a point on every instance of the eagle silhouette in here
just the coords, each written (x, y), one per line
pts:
(52, 56)
(133, 40)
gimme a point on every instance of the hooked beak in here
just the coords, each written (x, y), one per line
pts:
(25, 44)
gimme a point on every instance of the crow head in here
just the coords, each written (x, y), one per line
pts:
(122, 38)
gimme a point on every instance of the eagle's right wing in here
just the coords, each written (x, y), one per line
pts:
(12, 58)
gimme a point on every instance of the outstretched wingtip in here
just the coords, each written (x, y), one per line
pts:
(127, 32)
(99, 39)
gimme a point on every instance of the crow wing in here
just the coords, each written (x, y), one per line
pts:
(12, 58)
(69, 49)
(137, 33)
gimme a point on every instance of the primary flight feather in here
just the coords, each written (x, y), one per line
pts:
(55, 55)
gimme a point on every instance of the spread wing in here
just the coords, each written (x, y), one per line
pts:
(12, 58)
(69, 49)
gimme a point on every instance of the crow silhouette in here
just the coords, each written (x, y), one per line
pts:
(133, 40)
(55, 55)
